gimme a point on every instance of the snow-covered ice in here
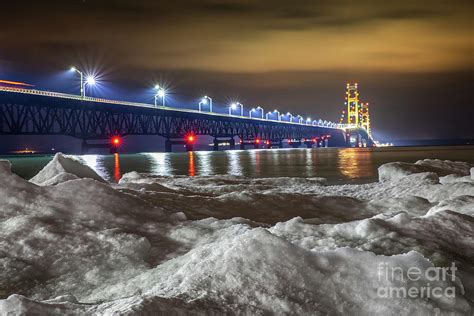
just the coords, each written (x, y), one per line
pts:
(70, 243)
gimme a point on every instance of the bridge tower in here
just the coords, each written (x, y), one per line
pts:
(365, 117)
(353, 105)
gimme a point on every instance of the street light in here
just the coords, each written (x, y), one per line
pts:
(290, 117)
(300, 119)
(258, 108)
(74, 69)
(90, 80)
(205, 101)
(160, 93)
(278, 114)
(234, 106)
(308, 121)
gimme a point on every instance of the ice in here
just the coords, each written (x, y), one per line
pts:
(225, 245)
(397, 170)
(62, 169)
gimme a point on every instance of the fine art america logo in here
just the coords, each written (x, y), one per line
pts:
(418, 283)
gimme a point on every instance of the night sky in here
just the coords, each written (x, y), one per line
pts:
(413, 60)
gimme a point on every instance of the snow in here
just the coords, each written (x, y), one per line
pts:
(62, 169)
(73, 244)
(397, 170)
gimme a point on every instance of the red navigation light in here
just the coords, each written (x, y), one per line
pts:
(116, 141)
(190, 138)
(314, 139)
(257, 141)
(267, 142)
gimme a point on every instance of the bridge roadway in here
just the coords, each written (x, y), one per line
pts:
(36, 112)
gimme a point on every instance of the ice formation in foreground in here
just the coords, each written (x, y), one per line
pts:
(213, 245)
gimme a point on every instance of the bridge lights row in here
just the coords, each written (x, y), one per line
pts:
(160, 93)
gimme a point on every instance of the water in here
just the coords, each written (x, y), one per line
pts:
(338, 165)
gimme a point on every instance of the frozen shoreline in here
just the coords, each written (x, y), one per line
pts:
(232, 244)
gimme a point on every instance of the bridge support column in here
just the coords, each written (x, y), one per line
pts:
(232, 143)
(84, 147)
(216, 145)
(295, 144)
(168, 145)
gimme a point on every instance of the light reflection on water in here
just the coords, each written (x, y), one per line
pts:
(160, 164)
(353, 163)
(233, 157)
(343, 165)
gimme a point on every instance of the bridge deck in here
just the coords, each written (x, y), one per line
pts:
(145, 105)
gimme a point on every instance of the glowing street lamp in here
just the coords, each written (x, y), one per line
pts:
(81, 74)
(234, 106)
(258, 108)
(300, 119)
(204, 101)
(90, 80)
(277, 115)
(160, 93)
(290, 117)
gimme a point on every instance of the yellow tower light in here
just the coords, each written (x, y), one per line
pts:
(353, 106)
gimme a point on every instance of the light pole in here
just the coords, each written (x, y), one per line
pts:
(300, 119)
(81, 74)
(160, 93)
(250, 112)
(261, 111)
(278, 114)
(234, 106)
(290, 117)
(308, 121)
(205, 101)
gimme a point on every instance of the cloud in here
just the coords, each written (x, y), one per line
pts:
(247, 36)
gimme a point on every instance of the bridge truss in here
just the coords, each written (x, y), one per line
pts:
(33, 114)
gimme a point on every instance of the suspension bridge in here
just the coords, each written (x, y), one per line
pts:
(26, 111)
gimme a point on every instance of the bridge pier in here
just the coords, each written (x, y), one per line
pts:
(254, 142)
(310, 143)
(170, 142)
(218, 142)
(85, 146)
(294, 144)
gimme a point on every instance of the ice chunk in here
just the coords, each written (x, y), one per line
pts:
(397, 170)
(63, 168)
(462, 204)
(445, 167)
